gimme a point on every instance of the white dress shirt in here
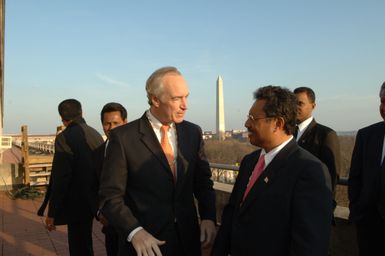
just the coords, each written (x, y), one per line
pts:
(272, 153)
(302, 127)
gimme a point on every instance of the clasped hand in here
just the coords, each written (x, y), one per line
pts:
(145, 244)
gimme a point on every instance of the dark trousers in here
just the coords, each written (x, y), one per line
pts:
(371, 234)
(173, 245)
(111, 240)
(80, 237)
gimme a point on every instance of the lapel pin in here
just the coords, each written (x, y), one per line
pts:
(266, 179)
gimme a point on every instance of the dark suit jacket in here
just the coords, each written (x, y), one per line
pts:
(323, 143)
(287, 211)
(73, 185)
(364, 177)
(98, 160)
(137, 187)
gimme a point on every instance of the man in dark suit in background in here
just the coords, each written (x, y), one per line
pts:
(72, 189)
(112, 115)
(316, 138)
(367, 186)
(154, 168)
(281, 203)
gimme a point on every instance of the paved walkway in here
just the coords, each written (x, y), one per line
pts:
(11, 156)
(22, 232)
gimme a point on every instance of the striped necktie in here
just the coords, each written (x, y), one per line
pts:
(258, 169)
(167, 149)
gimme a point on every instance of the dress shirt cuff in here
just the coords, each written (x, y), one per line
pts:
(97, 215)
(133, 232)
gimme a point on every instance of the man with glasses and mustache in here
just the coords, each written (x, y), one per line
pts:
(281, 203)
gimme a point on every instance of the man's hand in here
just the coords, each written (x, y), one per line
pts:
(208, 232)
(49, 224)
(145, 244)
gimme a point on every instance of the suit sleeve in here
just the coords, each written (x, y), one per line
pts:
(312, 212)
(355, 179)
(112, 188)
(203, 185)
(223, 239)
(61, 174)
(331, 156)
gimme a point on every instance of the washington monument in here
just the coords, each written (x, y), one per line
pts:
(220, 110)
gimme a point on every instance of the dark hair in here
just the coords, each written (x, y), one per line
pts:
(309, 92)
(70, 109)
(280, 102)
(112, 107)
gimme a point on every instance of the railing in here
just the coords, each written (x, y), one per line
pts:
(40, 146)
(226, 173)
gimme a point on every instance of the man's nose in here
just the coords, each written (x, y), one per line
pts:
(247, 123)
(184, 104)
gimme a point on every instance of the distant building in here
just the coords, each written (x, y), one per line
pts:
(228, 134)
(207, 135)
(240, 135)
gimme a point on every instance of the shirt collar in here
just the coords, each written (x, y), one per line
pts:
(302, 126)
(156, 124)
(272, 153)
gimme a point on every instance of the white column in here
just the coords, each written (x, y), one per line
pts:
(220, 110)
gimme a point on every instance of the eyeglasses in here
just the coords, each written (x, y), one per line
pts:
(251, 117)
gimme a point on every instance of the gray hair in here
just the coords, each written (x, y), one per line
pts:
(154, 85)
(382, 90)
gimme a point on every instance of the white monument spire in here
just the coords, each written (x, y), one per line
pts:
(220, 110)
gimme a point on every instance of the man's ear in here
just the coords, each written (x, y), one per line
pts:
(279, 123)
(155, 101)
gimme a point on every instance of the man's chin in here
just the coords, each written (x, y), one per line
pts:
(251, 140)
(178, 120)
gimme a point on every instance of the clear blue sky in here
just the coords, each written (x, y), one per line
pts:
(99, 51)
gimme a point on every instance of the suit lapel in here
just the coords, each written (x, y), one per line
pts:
(378, 143)
(150, 140)
(182, 163)
(306, 133)
(244, 176)
(269, 175)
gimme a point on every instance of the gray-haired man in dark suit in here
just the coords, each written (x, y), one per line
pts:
(367, 186)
